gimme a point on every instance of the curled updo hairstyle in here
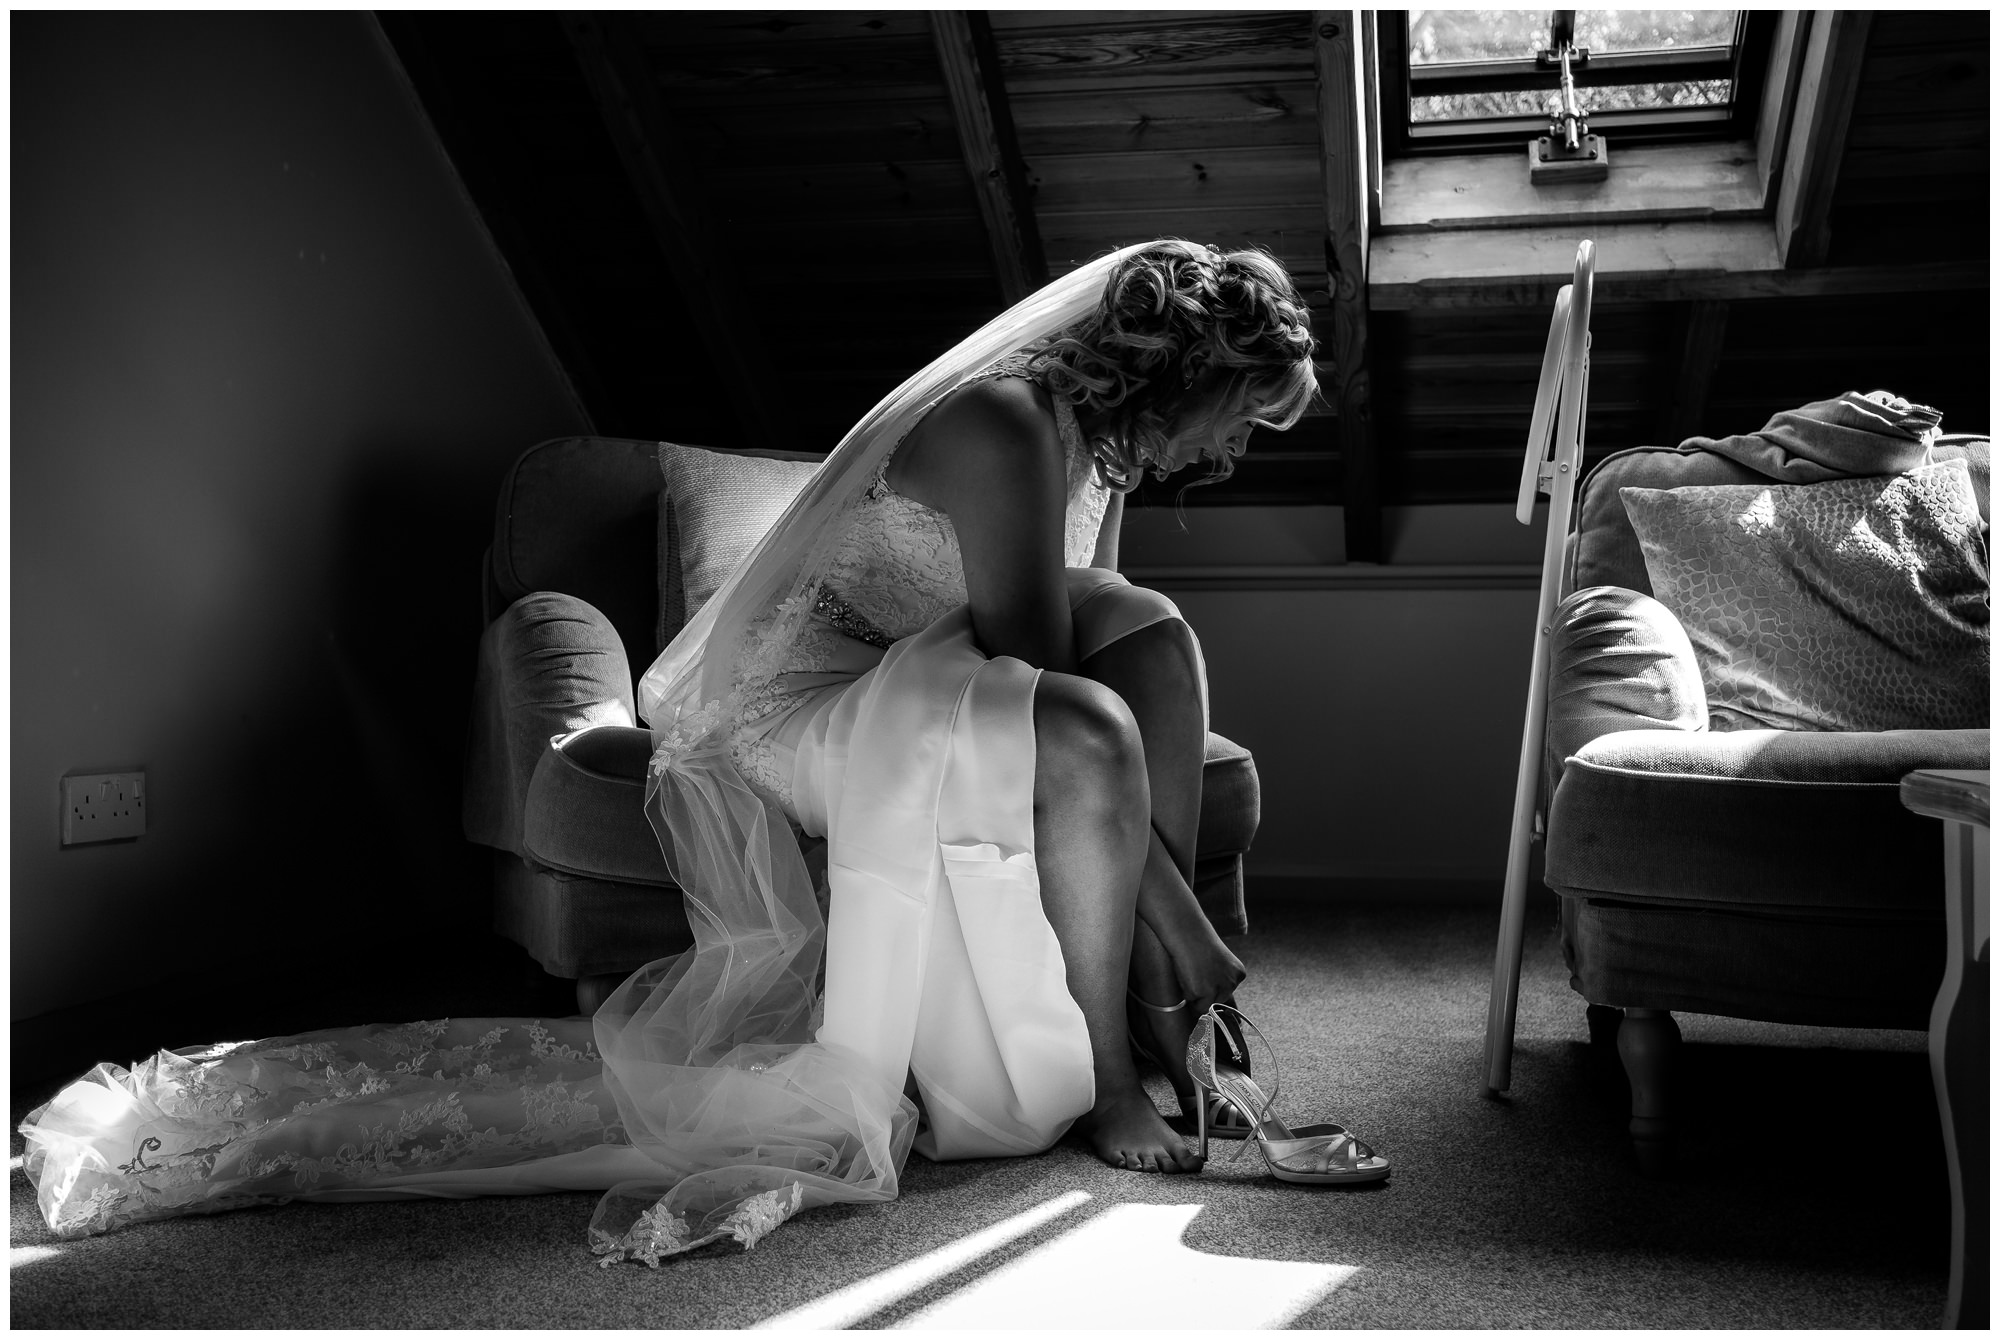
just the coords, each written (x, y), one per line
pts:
(1183, 333)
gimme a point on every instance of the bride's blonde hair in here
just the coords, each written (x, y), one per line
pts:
(1183, 330)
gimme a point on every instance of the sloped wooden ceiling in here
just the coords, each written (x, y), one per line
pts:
(744, 227)
(824, 148)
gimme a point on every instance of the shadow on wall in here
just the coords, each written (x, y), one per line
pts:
(401, 650)
(306, 828)
(269, 374)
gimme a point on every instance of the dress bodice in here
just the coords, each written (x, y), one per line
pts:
(896, 567)
(893, 571)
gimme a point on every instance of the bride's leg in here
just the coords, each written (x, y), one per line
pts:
(1091, 844)
(1157, 672)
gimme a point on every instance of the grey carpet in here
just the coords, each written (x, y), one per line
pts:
(1811, 1192)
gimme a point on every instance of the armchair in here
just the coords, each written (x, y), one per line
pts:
(1706, 861)
(581, 587)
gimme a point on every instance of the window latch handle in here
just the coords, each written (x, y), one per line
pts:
(1569, 123)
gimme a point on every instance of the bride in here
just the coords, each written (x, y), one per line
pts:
(928, 661)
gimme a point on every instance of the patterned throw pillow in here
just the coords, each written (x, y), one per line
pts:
(716, 506)
(1856, 604)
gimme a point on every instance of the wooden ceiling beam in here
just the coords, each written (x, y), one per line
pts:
(1344, 178)
(1835, 47)
(970, 62)
(613, 63)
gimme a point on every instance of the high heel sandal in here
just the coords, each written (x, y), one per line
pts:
(1323, 1153)
(1214, 1113)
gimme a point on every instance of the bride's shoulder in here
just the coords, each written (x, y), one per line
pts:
(1008, 399)
(1003, 424)
(1002, 412)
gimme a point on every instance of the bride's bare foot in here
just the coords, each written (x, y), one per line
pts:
(1127, 1131)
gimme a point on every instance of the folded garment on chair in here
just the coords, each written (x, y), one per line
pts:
(1879, 433)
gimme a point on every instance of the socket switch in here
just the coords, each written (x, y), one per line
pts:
(103, 807)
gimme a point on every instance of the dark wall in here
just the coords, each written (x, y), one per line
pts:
(267, 374)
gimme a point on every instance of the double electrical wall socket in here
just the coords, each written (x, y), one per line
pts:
(103, 807)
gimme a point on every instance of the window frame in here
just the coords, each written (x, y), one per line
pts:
(1745, 65)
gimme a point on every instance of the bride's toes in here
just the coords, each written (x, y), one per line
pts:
(1132, 1135)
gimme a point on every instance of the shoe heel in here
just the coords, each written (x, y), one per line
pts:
(1201, 1118)
(1201, 1069)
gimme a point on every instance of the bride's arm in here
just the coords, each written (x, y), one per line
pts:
(990, 458)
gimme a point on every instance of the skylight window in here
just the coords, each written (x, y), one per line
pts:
(1461, 79)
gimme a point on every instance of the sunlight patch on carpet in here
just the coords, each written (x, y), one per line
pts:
(1081, 1281)
(858, 1301)
(24, 1256)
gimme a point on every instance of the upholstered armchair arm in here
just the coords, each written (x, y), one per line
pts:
(1618, 660)
(550, 664)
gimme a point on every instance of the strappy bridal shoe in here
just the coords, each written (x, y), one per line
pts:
(1323, 1153)
(1222, 1119)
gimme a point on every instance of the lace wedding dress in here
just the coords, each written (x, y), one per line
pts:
(719, 1092)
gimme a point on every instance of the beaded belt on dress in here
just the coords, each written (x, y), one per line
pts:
(841, 615)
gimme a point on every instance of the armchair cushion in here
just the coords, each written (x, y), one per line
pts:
(1788, 821)
(550, 664)
(1854, 604)
(714, 509)
(586, 811)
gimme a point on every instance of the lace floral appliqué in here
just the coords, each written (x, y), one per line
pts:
(659, 1232)
(248, 1124)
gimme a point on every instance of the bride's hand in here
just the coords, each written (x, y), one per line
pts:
(1208, 971)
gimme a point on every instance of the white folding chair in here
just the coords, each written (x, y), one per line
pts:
(1554, 459)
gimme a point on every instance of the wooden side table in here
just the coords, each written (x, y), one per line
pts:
(1959, 1026)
